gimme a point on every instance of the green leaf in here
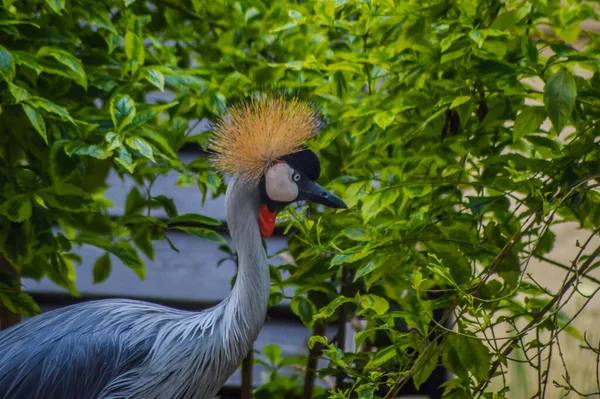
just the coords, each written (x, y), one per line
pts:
(143, 241)
(56, 5)
(135, 202)
(134, 49)
(451, 360)
(416, 191)
(81, 148)
(384, 119)
(377, 202)
(122, 111)
(68, 60)
(7, 64)
(69, 198)
(473, 354)
(19, 93)
(559, 98)
(382, 356)
(128, 2)
(365, 392)
(142, 219)
(51, 108)
(478, 37)
(448, 40)
(17, 246)
(378, 304)
(155, 78)
(350, 257)
(356, 233)
(113, 140)
(304, 308)
(369, 267)
(328, 310)
(17, 301)
(205, 234)
(481, 205)
(141, 146)
(194, 218)
(509, 19)
(425, 365)
(529, 49)
(102, 268)
(124, 159)
(121, 249)
(450, 170)
(317, 339)
(528, 121)
(168, 205)
(62, 166)
(36, 120)
(458, 101)
(273, 353)
(100, 18)
(17, 208)
(216, 103)
(62, 272)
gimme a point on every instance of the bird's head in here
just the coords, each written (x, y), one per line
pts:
(262, 141)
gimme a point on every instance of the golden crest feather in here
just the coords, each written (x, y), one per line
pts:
(252, 135)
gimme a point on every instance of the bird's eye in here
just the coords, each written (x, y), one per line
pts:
(296, 177)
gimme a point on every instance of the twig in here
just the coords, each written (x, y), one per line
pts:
(509, 345)
(565, 267)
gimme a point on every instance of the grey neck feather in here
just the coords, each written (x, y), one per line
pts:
(246, 306)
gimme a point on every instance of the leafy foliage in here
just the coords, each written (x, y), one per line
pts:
(77, 83)
(455, 163)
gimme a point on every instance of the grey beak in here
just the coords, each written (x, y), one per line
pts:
(312, 191)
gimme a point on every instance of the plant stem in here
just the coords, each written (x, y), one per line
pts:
(247, 365)
(311, 364)
(509, 346)
(343, 316)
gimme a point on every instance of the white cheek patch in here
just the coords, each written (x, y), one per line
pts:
(279, 184)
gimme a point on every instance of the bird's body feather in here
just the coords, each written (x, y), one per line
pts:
(117, 349)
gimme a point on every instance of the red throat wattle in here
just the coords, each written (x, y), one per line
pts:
(266, 221)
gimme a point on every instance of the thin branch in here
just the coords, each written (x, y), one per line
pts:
(565, 267)
(509, 345)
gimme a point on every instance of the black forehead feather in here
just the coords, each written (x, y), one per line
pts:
(306, 162)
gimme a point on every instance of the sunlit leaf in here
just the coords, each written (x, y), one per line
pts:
(141, 146)
(17, 208)
(122, 111)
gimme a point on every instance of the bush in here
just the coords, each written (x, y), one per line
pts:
(456, 166)
(77, 83)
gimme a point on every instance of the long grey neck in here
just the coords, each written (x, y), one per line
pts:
(246, 306)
